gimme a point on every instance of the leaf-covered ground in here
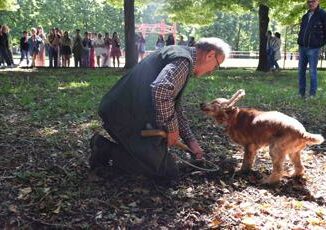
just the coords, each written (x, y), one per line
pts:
(48, 116)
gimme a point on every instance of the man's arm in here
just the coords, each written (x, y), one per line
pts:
(187, 135)
(165, 89)
(185, 131)
(170, 116)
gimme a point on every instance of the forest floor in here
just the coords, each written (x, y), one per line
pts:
(46, 182)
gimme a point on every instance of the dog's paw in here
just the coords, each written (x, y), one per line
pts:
(269, 180)
(244, 171)
(297, 174)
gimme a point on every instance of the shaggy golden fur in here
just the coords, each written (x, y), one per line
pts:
(254, 129)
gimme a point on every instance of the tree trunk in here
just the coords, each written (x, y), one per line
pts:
(285, 46)
(129, 18)
(263, 25)
(238, 37)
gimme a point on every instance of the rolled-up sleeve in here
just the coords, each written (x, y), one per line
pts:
(165, 90)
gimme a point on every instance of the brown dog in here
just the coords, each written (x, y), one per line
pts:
(254, 129)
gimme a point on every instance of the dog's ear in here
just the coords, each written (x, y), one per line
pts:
(236, 97)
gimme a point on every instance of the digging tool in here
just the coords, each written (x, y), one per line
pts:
(161, 133)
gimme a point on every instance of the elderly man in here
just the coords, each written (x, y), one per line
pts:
(149, 97)
(312, 37)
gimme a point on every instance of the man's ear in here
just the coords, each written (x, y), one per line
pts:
(210, 55)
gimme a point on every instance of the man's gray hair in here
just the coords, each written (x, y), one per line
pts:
(213, 43)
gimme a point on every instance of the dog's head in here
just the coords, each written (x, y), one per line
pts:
(220, 107)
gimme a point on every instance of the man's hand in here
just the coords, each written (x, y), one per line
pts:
(196, 149)
(172, 138)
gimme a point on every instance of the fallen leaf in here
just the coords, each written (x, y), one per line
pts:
(249, 222)
(57, 210)
(141, 190)
(216, 222)
(99, 215)
(13, 208)
(156, 199)
(316, 221)
(223, 183)
(320, 213)
(24, 192)
(133, 204)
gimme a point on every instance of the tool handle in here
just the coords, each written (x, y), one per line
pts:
(161, 133)
(182, 146)
(153, 133)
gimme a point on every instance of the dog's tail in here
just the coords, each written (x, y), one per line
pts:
(313, 139)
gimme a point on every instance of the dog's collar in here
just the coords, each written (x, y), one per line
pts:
(231, 115)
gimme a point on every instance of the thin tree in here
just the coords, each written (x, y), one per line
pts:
(263, 25)
(130, 37)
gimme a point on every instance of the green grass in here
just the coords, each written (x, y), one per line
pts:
(71, 94)
(57, 93)
(271, 91)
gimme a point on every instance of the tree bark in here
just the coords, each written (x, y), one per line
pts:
(238, 37)
(130, 46)
(263, 25)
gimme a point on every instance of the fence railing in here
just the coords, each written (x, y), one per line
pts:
(255, 55)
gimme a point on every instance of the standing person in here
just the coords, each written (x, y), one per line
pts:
(24, 47)
(115, 50)
(5, 34)
(1, 58)
(92, 55)
(99, 49)
(66, 49)
(149, 97)
(170, 40)
(312, 36)
(141, 46)
(40, 57)
(54, 47)
(276, 51)
(77, 48)
(182, 42)
(34, 43)
(86, 49)
(269, 50)
(191, 42)
(3, 53)
(50, 38)
(106, 56)
(160, 43)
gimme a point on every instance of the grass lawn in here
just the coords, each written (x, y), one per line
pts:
(47, 117)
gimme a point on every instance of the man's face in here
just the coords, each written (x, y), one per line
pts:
(312, 4)
(207, 62)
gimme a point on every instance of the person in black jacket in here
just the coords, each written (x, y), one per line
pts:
(312, 37)
(24, 48)
(4, 46)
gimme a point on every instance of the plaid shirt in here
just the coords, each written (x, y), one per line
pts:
(165, 88)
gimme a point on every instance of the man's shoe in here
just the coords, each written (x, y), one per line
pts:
(100, 151)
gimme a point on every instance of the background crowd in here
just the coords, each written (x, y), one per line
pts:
(89, 49)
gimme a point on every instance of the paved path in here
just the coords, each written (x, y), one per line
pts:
(231, 63)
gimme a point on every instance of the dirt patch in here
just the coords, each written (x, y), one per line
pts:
(46, 183)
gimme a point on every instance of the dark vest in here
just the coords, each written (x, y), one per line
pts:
(128, 106)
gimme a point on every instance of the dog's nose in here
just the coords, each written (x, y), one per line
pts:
(202, 105)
